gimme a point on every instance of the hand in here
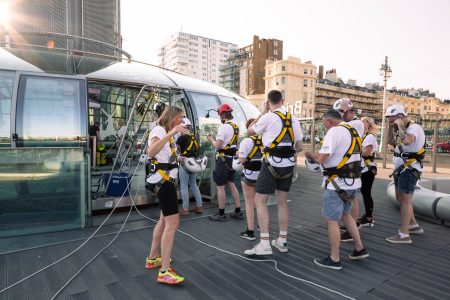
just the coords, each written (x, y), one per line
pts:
(308, 155)
(210, 137)
(390, 148)
(179, 128)
(400, 123)
(265, 107)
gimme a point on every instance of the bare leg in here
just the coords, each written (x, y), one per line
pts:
(167, 239)
(262, 212)
(350, 224)
(235, 194)
(334, 238)
(283, 210)
(249, 195)
(406, 211)
(156, 239)
(221, 198)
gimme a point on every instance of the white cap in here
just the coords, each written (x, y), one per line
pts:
(343, 104)
(186, 121)
(395, 109)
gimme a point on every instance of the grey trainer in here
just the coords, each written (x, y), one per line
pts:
(396, 239)
(416, 230)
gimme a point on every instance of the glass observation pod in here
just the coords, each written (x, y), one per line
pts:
(53, 174)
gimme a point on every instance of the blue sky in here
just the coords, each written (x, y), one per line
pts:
(352, 36)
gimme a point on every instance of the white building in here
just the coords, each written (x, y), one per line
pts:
(194, 55)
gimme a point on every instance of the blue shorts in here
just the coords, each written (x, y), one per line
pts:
(333, 206)
(405, 183)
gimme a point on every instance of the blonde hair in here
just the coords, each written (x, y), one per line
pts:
(373, 128)
(168, 115)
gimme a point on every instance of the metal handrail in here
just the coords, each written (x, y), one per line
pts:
(68, 36)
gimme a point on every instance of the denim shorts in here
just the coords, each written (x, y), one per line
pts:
(406, 182)
(333, 206)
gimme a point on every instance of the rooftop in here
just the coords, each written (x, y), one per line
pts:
(209, 255)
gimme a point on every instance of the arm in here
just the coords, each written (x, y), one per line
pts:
(405, 138)
(298, 146)
(157, 144)
(217, 144)
(317, 157)
(367, 151)
(250, 130)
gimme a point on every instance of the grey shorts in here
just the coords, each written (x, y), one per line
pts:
(333, 207)
(267, 184)
(405, 183)
(222, 174)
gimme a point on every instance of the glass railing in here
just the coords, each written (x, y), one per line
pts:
(42, 190)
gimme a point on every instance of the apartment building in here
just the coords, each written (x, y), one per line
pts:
(195, 56)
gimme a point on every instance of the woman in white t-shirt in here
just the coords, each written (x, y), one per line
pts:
(164, 171)
(370, 147)
(249, 177)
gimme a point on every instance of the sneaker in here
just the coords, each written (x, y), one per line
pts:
(217, 217)
(327, 262)
(198, 210)
(152, 263)
(365, 222)
(185, 212)
(361, 254)
(248, 235)
(259, 249)
(416, 230)
(396, 239)
(282, 247)
(346, 237)
(257, 228)
(169, 277)
(239, 215)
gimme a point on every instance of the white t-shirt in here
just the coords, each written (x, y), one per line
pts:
(370, 140)
(336, 143)
(270, 126)
(358, 125)
(245, 147)
(417, 131)
(225, 133)
(163, 156)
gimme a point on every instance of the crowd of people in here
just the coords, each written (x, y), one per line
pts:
(267, 157)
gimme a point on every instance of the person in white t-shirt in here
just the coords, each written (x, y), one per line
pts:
(277, 169)
(408, 155)
(341, 191)
(250, 155)
(162, 181)
(370, 147)
(226, 146)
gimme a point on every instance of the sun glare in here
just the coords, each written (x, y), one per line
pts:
(4, 14)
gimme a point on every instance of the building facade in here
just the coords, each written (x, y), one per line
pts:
(195, 56)
(244, 70)
(99, 20)
(296, 81)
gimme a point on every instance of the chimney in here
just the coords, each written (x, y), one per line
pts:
(320, 72)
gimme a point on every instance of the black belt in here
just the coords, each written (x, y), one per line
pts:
(253, 165)
(409, 155)
(351, 170)
(281, 152)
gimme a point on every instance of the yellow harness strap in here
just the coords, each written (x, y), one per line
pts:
(287, 128)
(257, 146)
(163, 174)
(193, 143)
(233, 141)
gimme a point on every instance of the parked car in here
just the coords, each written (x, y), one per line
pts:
(443, 147)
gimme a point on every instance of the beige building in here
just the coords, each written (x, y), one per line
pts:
(297, 83)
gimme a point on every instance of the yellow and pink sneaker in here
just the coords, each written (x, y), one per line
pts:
(169, 277)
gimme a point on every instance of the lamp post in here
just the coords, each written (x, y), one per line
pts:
(385, 72)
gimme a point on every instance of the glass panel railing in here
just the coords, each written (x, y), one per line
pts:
(42, 190)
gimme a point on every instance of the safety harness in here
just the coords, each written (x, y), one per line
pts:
(286, 135)
(409, 158)
(164, 168)
(343, 170)
(253, 161)
(192, 148)
(230, 149)
(369, 160)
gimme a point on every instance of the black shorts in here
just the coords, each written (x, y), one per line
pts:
(247, 181)
(167, 198)
(267, 184)
(222, 174)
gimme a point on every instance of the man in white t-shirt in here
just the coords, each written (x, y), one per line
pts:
(340, 191)
(226, 146)
(408, 155)
(277, 169)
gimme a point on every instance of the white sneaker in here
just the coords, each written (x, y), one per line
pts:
(282, 247)
(259, 249)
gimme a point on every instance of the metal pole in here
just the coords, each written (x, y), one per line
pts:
(383, 125)
(433, 155)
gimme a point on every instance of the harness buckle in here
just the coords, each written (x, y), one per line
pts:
(404, 155)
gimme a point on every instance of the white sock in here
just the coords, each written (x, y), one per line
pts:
(402, 235)
(413, 226)
(265, 241)
(283, 237)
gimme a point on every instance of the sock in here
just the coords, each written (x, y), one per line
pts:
(283, 236)
(250, 231)
(237, 210)
(265, 241)
(402, 235)
(413, 226)
(221, 211)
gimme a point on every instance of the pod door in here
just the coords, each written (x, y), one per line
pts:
(43, 175)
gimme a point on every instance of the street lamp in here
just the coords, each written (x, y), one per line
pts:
(385, 72)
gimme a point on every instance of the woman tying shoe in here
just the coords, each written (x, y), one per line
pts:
(162, 181)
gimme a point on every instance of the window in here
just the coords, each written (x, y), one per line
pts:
(275, 43)
(275, 52)
(238, 115)
(283, 80)
(305, 71)
(283, 94)
(50, 111)
(6, 89)
(283, 68)
(305, 82)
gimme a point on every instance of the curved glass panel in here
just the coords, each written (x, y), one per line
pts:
(6, 91)
(250, 110)
(51, 111)
(238, 115)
